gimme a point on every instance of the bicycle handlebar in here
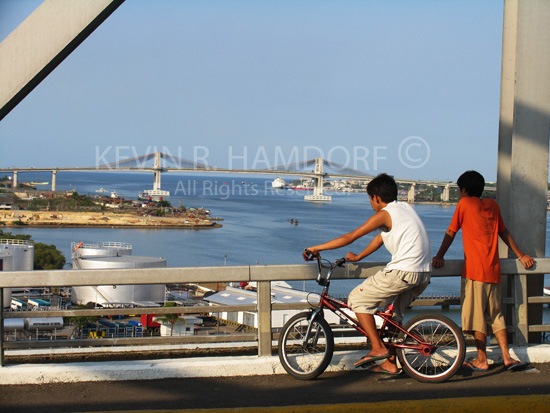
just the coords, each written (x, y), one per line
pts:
(310, 256)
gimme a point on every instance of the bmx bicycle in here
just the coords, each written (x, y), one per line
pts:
(429, 347)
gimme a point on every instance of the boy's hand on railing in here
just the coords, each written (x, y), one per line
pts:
(438, 262)
(527, 261)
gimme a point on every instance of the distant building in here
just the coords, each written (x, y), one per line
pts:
(6, 202)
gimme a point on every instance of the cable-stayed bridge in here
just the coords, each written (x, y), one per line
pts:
(157, 163)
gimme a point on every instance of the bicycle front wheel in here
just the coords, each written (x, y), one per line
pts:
(448, 352)
(305, 351)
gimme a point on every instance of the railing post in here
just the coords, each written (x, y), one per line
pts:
(264, 318)
(520, 319)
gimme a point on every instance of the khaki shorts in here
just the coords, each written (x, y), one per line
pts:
(481, 309)
(380, 289)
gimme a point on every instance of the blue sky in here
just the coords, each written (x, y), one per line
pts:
(410, 88)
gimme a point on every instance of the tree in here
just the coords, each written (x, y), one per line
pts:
(170, 318)
(47, 257)
(81, 321)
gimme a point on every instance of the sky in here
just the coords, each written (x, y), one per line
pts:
(410, 88)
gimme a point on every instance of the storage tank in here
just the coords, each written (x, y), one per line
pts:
(16, 255)
(116, 294)
(100, 249)
(43, 323)
(14, 324)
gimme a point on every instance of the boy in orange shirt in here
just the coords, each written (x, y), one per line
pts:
(481, 224)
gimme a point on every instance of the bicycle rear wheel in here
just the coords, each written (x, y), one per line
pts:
(305, 357)
(448, 352)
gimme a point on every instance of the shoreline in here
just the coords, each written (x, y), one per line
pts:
(108, 226)
(69, 219)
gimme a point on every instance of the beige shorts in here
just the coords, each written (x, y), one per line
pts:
(481, 309)
(381, 288)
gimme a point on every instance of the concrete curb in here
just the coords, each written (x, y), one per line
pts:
(203, 367)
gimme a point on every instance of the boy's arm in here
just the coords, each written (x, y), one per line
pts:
(376, 243)
(448, 239)
(525, 259)
(380, 219)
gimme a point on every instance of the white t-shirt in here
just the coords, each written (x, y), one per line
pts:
(407, 241)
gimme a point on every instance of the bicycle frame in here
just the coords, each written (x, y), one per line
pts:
(336, 306)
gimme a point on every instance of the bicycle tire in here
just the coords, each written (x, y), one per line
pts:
(306, 360)
(449, 348)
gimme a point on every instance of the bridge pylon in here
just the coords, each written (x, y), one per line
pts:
(318, 188)
(446, 195)
(411, 193)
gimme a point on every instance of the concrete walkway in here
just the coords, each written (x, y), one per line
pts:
(203, 367)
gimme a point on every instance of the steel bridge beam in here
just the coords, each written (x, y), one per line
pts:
(39, 44)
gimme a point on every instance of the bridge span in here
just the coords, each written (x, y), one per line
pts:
(164, 163)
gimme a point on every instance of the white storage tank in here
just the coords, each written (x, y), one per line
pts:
(116, 294)
(16, 255)
(100, 249)
(14, 324)
(43, 323)
(6, 265)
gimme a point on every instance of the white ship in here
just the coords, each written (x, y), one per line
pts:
(153, 194)
(278, 183)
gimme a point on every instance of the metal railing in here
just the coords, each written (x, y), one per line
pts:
(261, 274)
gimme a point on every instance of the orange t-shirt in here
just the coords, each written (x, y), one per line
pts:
(481, 223)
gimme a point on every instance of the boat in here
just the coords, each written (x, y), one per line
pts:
(153, 195)
(318, 198)
(101, 190)
(546, 290)
(39, 183)
(278, 183)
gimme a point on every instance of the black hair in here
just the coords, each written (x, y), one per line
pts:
(473, 182)
(383, 186)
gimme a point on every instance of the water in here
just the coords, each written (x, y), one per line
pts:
(256, 227)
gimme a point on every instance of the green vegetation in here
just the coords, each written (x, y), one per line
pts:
(75, 201)
(170, 318)
(46, 257)
(81, 321)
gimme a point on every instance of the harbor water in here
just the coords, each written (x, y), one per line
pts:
(260, 225)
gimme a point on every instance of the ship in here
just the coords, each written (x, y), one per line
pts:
(278, 183)
(153, 195)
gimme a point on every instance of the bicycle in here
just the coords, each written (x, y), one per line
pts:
(429, 347)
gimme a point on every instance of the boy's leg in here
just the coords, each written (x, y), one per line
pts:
(473, 302)
(481, 345)
(377, 345)
(502, 340)
(378, 348)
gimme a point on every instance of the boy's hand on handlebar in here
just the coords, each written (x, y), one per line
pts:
(310, 254)
(350, 256)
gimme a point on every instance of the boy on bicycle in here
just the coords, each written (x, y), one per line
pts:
(405, 276)
(481, 225)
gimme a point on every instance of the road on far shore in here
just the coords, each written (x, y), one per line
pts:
(497, 390)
